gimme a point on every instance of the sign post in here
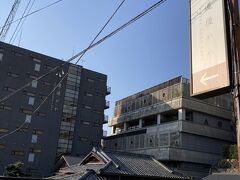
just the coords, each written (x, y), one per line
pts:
(209, 51)
(212, 38)
(236, 39)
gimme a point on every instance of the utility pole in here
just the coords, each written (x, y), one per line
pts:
(236, 70)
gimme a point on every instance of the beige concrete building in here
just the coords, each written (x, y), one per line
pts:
(186, 134)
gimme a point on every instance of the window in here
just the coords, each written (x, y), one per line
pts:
(12, 74)
(58, 93)
(100, 79)
(33, 171)
(4, 107)
(17, 53)
(31, 157)
(31, 100)
(99, 94)
(48, 67)
(17, 153)
(3, 130)
(1, 56)
(36, 60)
(45, 83)
(87, 107)
(42, 114)
(29, 93)
(38, 132)
(189, 116)
(97, 111)
(83, 138)
(31, 76)
(42, 96)
(25, 111)
(206, 122)
(28, 118)
(220, 124)
(34, 138)
(2, 146)
(34, 150)
(34, 83)
(97, 125)
(9, 89)
(90, 80)
(86, 123)
(22, 129)
(89, 94)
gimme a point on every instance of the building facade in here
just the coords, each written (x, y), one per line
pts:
(186, 134)
(69, 122)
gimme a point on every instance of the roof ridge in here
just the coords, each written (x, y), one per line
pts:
(65, 160)
(165, 167)
(87, 173)
(110, 160)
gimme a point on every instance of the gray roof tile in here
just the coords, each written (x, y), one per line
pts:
(117, 163)
(137, 165)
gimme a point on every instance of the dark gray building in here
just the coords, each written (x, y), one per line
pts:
(185, 133)
(69, 122)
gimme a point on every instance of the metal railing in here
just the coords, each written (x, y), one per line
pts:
(108, 90)
(107, 104)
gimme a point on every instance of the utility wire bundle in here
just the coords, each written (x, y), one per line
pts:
(79, 56)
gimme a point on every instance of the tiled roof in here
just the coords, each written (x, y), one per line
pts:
(116, 163)
(72, 160)
(136, 165)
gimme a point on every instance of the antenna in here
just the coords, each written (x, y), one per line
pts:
(10, 18)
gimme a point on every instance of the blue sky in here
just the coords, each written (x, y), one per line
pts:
(150, 51)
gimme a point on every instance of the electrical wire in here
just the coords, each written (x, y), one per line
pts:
(21, 26)
(36, 11)
(57, 85)
(84, 51)
(101, 30)
(90, 47)
(9, 20)
(19, 22)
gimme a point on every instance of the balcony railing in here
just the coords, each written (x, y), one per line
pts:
(107, 104)
(108, 90)
(105, 119)
(104, 133)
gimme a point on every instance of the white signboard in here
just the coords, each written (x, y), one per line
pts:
(209, 55)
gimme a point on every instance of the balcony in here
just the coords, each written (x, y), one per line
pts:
(105, 119)
(104, 133)
(107, 105)
(108, 90)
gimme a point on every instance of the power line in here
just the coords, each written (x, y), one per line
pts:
(9, 20)
(45, 7)
(57, 85)
(19, 22)
(84, 51)
(101, 29)
(21, 26)
(90, 47)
